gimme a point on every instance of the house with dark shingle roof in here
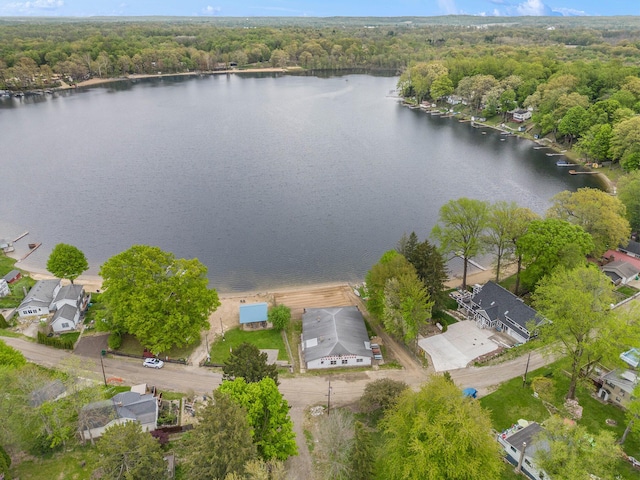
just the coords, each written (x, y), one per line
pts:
(96, 417)
(13, 276)
(632, 249)
(518, 440)
(335, 337)
(492, 306)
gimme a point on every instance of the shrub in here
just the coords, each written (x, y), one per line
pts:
(56, 342)
(115, 340)
(3, 322)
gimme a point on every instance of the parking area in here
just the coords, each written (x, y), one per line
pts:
(459, 345)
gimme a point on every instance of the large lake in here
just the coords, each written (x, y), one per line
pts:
(269, 180)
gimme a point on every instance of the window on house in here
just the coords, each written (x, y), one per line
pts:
(618, 399)
(359, 360)
(321, 362)
(513, 448)
(344, 362)
(65, 325)
(334, 362)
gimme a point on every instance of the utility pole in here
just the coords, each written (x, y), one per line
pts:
(526, 370)
(329, 399)
(102, 354)
(222, 329)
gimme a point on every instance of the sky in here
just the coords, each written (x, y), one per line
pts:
(316, 8)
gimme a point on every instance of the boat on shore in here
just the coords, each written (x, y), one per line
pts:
(564, 163)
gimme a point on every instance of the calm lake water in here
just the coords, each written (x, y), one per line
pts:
(269, 180)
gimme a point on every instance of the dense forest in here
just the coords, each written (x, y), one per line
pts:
(579, 76)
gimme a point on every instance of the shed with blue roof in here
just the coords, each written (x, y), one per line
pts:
(253, 313)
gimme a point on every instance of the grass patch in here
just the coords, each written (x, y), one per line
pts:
(71, 336)
(65, 464)
(8, 333)
(293, 335)
(17, 291)
(443, 317)
(627, 291)
(263, 339)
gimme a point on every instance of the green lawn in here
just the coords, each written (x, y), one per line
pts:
(263, 339)
(17, 292)
(512, 402)
(64, 464)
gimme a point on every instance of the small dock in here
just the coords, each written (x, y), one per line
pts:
(20, 237)
(35, 247)
(573, 172)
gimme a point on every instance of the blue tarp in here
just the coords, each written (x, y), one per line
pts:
(470, 392)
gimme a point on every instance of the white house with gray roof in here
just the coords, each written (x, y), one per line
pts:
(96, 417)
(335, 337)
(620, 272)
(39, 300)
(492, 306)
(523, 442)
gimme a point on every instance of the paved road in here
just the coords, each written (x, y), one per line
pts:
(300, 391)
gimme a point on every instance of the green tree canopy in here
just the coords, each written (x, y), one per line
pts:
(391, 265)
(280, 317)
(573, 453)
(162, 301)
(221, 441)
(407, 306)
(333, 445)
(550, 243)
(429, 264)
(601, 215)
(268, 416)
(459, 230)
(11, 357)
(248, 362)
(625, 141)
(629, 195)
(578, 322)
(381, 394)
(438, 434)
(129, 453)
(67, 261)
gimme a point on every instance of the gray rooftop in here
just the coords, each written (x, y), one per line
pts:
(333, 332)
(67, 312)
(633, 247)
(501, 304)
(41, 294)
(528, 434)
(69, 292)
(130, 405)
(620, 269)
(11, 274)
(627, 380)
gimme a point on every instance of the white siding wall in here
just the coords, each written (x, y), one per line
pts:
(334, 362)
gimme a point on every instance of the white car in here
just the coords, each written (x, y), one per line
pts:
(153, 363)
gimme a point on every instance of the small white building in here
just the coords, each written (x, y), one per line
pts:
(4, 288)
(65, 319)
(335, 337)
(521, 115)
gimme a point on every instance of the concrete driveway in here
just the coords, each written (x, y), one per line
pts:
(459, 345)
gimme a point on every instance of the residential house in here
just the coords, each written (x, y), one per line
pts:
(335, 337)
(39, 299)
(95, 418)
(617, 386)
(615, 255)
(4, 288)
(620, 272)
(254, 315)
(492, 306)
(72, 295)
(520, 445)
(520, 115)
(13, 276)
(632, 248)
(65, 319)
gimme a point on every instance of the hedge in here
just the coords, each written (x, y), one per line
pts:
(56, 342)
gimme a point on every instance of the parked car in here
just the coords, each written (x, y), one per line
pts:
(153, 363)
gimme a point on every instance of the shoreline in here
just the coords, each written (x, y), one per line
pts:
(544, 142)
(101, 81)
(93, 283)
